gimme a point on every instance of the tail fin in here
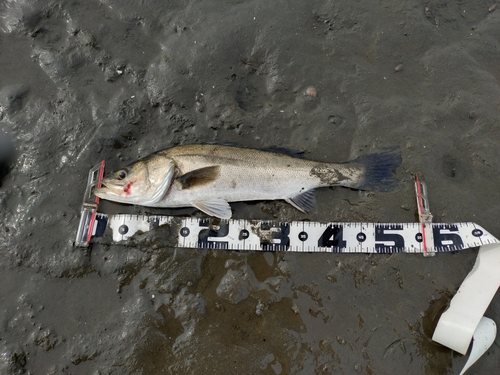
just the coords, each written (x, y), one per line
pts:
(378, 170)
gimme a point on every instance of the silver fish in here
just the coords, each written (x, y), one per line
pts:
(209, 176)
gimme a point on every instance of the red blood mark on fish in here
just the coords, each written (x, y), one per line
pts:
(128, 188)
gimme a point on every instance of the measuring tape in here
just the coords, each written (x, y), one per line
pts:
(302, 236)
(297, 236)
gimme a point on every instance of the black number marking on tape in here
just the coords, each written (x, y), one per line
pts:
(419, 237)
(154, 222)
(100, 225)
(303, 236)
(333, 237)
(244, 234)
(185, 231)
(278, 239)
(361, 237)
(382, 238)
(477, 232)
(446, 241)
(213, 237)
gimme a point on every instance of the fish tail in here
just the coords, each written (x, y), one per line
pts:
(378, 170)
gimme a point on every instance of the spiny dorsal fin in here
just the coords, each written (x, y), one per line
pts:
(199, 177)
(303, 202)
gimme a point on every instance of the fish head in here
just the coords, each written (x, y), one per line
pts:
(145, 182)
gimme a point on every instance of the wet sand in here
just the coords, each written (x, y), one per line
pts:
(117, 80)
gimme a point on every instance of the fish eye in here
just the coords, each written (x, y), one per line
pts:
(121, 174)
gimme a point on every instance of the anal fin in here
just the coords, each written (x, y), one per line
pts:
(215, 207)
(303, 202)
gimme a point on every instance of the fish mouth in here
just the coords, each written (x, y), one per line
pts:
(111, 195)
(103, 192)
(106, 191)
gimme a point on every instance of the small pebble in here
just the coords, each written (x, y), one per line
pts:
(311, 91)
(259, 309)
(398, 68)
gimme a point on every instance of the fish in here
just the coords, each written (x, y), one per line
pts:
(209, 176)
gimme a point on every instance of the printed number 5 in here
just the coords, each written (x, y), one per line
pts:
(381, 235)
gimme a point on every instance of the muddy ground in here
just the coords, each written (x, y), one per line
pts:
(82, 81)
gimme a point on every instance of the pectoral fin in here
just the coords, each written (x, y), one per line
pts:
(199, 177)
(215, 207)
(303, 202)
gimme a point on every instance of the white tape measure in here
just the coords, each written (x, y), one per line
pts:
(302, 236)
(298, 236)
